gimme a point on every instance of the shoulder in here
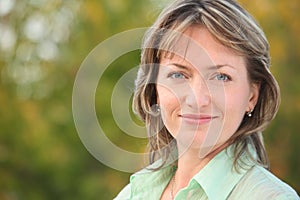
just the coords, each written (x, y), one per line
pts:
(146, 182)
(125, 193)
(259, 183)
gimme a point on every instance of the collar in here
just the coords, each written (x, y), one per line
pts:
(149, 184)
(219, 177)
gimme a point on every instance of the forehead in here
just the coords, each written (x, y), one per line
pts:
(197, 46)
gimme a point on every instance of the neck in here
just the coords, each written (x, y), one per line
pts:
(190, 163)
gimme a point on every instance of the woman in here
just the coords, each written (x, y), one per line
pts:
(205, 93)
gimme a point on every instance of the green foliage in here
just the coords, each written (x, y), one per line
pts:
(41, 155)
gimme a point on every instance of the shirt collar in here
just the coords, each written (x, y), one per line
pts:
(149, 182)
(219, 177)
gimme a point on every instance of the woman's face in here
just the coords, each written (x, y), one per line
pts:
(203, 91)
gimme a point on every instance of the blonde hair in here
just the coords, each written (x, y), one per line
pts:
(233, 27)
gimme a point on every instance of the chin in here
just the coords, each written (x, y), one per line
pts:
(192, 143)
(203, 146)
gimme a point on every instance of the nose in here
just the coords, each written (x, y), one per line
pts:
(198, 95)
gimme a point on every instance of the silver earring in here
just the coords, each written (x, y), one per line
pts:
(155, 109)
(249, 113)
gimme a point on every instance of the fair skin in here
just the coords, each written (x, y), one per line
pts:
(203, 92)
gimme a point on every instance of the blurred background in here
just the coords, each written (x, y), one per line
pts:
(42, 45)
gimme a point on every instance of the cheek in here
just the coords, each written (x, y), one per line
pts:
(234, 111)
(170, 107)
(167, 99)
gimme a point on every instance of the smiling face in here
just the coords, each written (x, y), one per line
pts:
(203, 91)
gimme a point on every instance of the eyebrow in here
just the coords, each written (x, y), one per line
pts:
(180, 66)
(221, 66)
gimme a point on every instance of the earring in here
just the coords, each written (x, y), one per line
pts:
(249, 113)
(155, 109)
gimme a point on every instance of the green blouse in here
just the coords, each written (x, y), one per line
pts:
(216, 181)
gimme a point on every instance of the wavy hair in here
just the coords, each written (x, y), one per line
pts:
(234, 28)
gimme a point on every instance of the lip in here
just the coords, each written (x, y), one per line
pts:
(197, 119)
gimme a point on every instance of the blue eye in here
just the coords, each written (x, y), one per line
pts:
(222, 77)
(177, 75)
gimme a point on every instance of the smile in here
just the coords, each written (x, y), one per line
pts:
(195, 119)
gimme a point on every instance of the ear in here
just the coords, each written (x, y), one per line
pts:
(254, 95)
